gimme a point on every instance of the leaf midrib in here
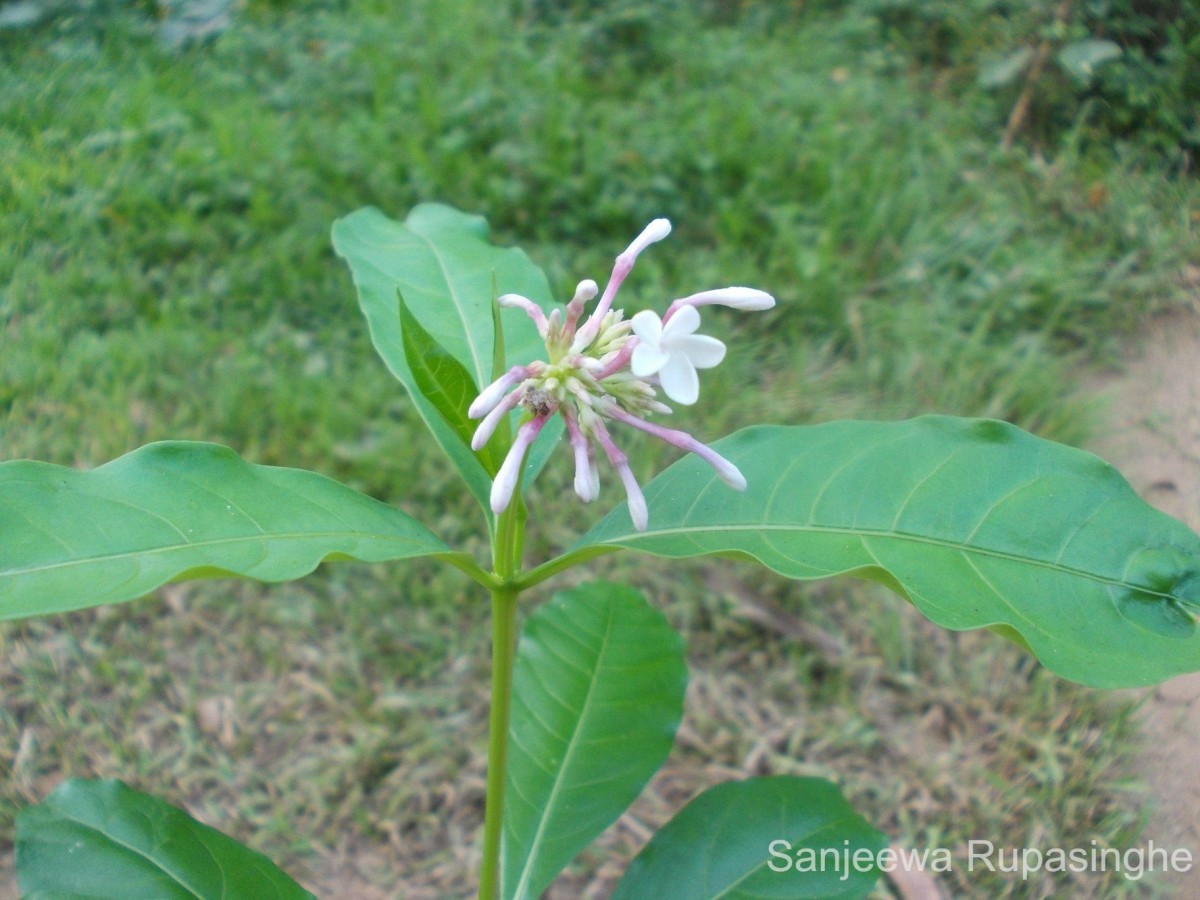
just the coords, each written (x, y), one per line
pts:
(568, 755)
(214, 542)
(631, 541)
(476, 362)
(762, 864)
(146, 856)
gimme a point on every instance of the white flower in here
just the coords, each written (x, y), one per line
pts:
(673, 352)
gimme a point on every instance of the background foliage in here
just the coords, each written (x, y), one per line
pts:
(167, 273)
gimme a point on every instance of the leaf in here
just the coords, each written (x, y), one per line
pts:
(171, 511)
(102, 840)
(1003, 71)
(760, 838)
(598, 693)
(976, 522)
(439, 258)
(1080, 58)
(442, 380)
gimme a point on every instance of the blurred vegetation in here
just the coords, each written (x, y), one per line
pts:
(166, 273)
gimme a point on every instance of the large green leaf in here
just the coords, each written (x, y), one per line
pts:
(597, 696)
(101, 840)
(176, 510)
(783, 837)
(977, 522)
(439, 258)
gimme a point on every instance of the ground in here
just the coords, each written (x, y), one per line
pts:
(1155, 441)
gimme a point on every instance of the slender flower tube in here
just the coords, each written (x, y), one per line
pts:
(608, 368)
(494, 392)
(587, 479)
(728, 472)
(655, 231)
(510, 470)
(633, 491)
(492, 420)
(516, 301)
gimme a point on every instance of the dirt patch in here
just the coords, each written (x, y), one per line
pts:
(1155, 441)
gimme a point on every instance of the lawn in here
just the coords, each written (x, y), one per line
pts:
(166, 272)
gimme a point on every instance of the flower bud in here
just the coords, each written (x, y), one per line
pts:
(655, 231)
(493, 393)
(510, 470)
(742, 298)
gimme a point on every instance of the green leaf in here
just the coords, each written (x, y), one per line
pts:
(597, 696)
(102, 840)
(758, 839)
(976, 522)
(1080, 58)
(442, 380)
(1005, 70)
(439, 258)
(171, 511)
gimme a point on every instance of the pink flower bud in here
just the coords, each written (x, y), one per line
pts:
(492, 394)
(492, 420)
(531, 309)
(633, 491)
(584, 292)
(587, 479)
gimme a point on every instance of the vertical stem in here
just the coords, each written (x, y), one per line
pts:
(506, 564)
(504, 633)
(1017, 117)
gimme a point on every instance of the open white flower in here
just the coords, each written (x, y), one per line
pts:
(673, 352)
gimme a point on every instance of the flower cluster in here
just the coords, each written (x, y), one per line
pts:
(606, 369)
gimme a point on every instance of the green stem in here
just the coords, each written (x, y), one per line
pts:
(538, 574)
(465, 564)
(504, 635)
(506, 563)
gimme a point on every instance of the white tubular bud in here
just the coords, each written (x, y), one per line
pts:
(635, 498)
(510, 469)
(726, 471)
(652, 233)
(494, 392)
(585, 291)
(488, 426)
(743, 298)
(587, 479)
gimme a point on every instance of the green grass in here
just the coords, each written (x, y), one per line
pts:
(167, 273)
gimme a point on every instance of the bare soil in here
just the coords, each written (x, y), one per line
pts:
(1154, 439)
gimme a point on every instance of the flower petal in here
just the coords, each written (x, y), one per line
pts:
(704, 351)
(679, 380)
(685, 321)
(647, 360)
(647, 326)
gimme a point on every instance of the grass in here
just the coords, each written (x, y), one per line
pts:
(167, 274)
